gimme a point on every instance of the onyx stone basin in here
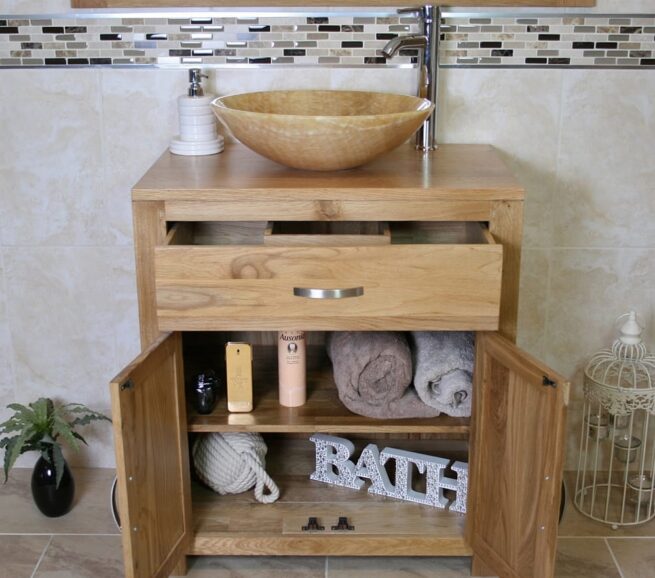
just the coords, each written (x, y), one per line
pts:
(321, 130)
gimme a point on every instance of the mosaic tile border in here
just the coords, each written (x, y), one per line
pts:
(203, 39)
(345, 39)
(544, 39)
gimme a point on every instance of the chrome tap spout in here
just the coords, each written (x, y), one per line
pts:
(392, 47)
(428, 43)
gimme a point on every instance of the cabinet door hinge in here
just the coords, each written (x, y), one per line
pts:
(548, 382)
(129, 384)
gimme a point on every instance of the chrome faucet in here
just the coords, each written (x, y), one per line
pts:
(428, 42)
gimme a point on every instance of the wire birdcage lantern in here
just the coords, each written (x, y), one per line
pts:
(616, 465)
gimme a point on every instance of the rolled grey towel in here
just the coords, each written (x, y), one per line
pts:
(443, 370)
(373, 374)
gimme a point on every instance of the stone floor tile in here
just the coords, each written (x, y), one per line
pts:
(82, 557)
(635, 557)
(256, 567)
(381, 567)
(90, 514)
(575, 524)
(20, 554)
(584, 558)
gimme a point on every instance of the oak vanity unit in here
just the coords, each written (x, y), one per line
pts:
(223, 243)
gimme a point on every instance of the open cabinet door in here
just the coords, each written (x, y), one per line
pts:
(516, 454)
(152, 459)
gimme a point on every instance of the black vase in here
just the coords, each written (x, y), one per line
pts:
(53, 501)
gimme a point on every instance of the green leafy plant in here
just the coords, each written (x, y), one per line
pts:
(41, 426)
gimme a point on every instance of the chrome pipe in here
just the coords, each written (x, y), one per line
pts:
(426, 137)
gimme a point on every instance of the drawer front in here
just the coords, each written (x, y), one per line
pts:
(397, 287)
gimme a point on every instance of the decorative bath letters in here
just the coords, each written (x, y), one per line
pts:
(334, 466)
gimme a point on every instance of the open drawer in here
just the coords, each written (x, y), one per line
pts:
(446, 281)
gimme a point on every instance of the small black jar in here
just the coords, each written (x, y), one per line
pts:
(204, 391)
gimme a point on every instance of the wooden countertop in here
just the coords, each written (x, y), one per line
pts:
(453, 172)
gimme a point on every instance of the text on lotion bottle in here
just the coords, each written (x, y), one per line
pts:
(292, 368)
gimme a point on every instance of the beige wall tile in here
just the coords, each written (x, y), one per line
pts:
(535, 265)
(518, 112)
(606, 178)
(400, 81)
(35, 6)
(235, 81)
(398, 567)
(82, 557)
(6, 350)
(589, 289)
(51, 166)
(584, 558)
(139, 113)
(573, 428)
(636, 558)
(618, 7)
(238, 80)
(256, 567)
(68, 309)
(601, 7)
(20, 554)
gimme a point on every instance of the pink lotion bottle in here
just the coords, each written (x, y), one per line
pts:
(292, 368)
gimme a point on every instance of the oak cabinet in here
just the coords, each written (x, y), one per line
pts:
(447, 257)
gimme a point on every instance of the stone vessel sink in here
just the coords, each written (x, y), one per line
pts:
(321, 130)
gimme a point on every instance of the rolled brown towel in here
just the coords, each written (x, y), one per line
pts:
(373, 374)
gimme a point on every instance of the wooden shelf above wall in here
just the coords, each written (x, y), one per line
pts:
(317, 3)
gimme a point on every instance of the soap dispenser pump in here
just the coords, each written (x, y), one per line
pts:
(198, 134)
(195, 82)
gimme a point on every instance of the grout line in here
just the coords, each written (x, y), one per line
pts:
(616, 562)
(41, 557)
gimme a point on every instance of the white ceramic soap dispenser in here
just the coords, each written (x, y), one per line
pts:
(197, 121)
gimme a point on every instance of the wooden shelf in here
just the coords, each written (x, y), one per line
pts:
(238, 525)
(323, 411)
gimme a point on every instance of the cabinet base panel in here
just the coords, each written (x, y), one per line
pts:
(207, 545)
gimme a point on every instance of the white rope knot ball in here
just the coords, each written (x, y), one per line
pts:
(232, 463)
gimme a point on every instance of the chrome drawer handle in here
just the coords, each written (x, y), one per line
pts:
(328, 293)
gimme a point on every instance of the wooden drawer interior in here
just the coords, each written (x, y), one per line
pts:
(333, 233)
(339, 233)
